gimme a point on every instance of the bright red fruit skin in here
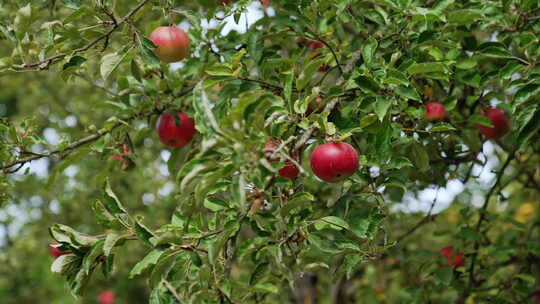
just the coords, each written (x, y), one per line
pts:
(56, 252)
(335, 161)
(501, 126)
(435, 111)
(453, 257)
(106, 297)
(289, 171)
(172, 134)
(172, 42)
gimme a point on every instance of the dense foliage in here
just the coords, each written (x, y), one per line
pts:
(218, 220)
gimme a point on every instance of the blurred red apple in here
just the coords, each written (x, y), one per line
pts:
(500, 123)
(435, 111)
(106, 297)
(453, 257)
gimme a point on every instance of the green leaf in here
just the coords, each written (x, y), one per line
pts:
(220, 70)
(66, 263)
(368, 120)
(420, 157)
(146, 47)
(297, 200)
(442, 127)
(466, 64)
(527, 92)
(408, 93)
(142, 232)
(74, 61)
(367, 84)
(464, 16)
(307, 73)
(112, 203)
(110, 241)
(368, 49)
(381, 107)
(90, 258)
(444, 275)
(481, 120)
(426, 67)
(109, 63)
(510, 69)
(333, 222)
(73, 4)
(149, 260)
(496, 52)
(65, 234)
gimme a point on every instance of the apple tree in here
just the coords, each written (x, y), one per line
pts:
(183, 152)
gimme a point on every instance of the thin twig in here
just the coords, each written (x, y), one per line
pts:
(481, 219)
(171, 289)
(81, 142)
(426, 219)
(45, 63)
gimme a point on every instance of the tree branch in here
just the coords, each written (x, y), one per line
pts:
(81, 142)
(45, 63)
(481, 219)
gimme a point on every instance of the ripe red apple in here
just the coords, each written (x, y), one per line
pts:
(172, 43)
(335, 161)
(55, 251)
(106, 297)
(435, 111)
(289, 169)
(176, 131)
(453, 257)
(500, 123)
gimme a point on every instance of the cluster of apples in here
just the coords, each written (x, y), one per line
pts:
(332, 162)
(436, 111)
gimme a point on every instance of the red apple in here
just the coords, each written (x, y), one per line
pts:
(289, 170)
(106, 297)
(435, 111)
(500, 123)
(174, 131)
(335, 161)
(55, 251)
(453, 257)
(172, 43)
